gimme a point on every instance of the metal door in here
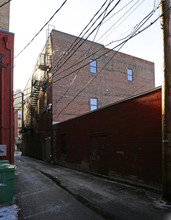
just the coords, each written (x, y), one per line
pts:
(98, 154)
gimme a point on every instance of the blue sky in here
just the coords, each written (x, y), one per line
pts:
(28, 16)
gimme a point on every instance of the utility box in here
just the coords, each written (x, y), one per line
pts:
(3, 150)
(6, 182)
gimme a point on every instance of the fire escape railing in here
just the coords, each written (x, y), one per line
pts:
(37, 83)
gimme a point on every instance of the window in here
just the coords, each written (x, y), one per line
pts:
(19, 114)
(130, 74)
(19, 135)
(19, 123)
(93, 66)
(45, 99)
(93, 104)
(38, 109)
(63, 144)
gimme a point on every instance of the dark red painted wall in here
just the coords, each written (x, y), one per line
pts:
(6, 93)
(122, 140)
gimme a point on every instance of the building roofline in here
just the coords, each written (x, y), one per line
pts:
(110, 50)
(115, 103)
(7, 32)
(77, 37)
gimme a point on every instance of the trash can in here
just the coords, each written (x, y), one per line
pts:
(4, 161)
(6, 182)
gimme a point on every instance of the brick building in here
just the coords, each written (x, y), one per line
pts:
(6, 85)
(122, 141)
(17, 117)
(72, 77)
(6, 96)
(4, 15)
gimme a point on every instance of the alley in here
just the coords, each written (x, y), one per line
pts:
(45, 191)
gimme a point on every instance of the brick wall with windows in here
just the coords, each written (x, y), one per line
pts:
(122, 140)
(72, 88)
(17, 122)
(81, 79)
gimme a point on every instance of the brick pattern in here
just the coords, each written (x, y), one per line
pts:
(4, 16)
(122, 140)
(109, 86)
(6, 94)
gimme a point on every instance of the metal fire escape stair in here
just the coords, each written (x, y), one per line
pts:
(34, 97)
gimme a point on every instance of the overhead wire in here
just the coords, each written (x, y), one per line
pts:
(120, 21)
(5, 3)
(80, 61)
(80, 35)
(87, 26)
(81, 67)
(147, 26)
(135, 34)
(80, 39)
(41, 29)
(59, 65)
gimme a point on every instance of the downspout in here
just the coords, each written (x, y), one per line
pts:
(2, 89)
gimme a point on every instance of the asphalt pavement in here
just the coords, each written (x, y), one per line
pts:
(46, 191)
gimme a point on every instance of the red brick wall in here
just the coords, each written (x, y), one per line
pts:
(35, 140)
(110, 85)
(6, 94)
(16, 118)
(122, 140)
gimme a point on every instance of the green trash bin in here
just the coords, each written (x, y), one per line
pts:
(6, 182)
(4, 161)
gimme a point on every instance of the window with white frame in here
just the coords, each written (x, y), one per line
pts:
(93, 104)
(19, 114)
(130, 74)
(19, 123)
(93, 66)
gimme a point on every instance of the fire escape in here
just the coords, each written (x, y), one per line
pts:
(38, 82)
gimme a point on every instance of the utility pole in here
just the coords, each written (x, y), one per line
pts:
(166, 99)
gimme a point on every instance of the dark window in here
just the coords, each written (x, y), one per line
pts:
(63, 144)
(93, 66)
(130, 74)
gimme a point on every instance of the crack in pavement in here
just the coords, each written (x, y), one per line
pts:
(80, 198)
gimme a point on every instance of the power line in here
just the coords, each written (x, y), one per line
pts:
(60, 63)
(147, 18)
(5, 3)
(79, 39)
(77, 69)
(120, 20)
(74, 64)
(82, 60)
(41, 29)
(144, 28)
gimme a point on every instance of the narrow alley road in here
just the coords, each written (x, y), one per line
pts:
(38, 197)
(45, 191)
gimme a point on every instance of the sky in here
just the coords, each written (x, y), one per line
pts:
(27, 17)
